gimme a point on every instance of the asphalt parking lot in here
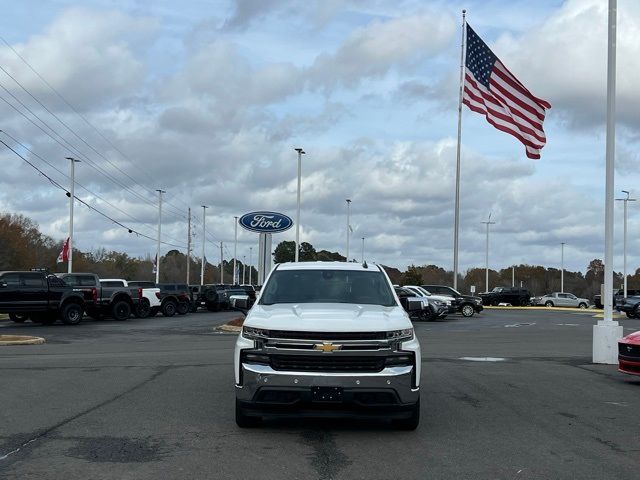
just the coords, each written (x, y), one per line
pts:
(154, 398)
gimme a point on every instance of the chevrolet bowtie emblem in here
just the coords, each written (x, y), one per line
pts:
(326, 347)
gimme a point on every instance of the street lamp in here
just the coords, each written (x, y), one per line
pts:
(348, 225)
(562, 266)
(486, 271)
(624, 262)
(300, 153)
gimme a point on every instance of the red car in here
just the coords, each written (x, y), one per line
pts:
(629, 354)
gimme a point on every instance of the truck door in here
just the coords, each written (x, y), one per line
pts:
(9, 292)
(34, 292)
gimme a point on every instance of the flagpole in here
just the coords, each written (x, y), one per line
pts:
(348, 225)
(456, 226)
(204, 233)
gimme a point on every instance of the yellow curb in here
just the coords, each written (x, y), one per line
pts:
(229, 328)
(20, 340)
(614, 315)
(551, 309)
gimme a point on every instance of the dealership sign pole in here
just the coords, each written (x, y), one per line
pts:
(265, 224)
(607, 332)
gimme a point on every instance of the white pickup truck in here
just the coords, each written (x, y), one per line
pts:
(149, 304)
(328, 339)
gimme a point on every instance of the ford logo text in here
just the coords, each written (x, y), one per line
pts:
(265, 222)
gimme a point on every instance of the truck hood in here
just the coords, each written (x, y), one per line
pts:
(327, 317)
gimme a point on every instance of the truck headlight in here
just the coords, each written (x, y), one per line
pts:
(404, 334)
(255, 333)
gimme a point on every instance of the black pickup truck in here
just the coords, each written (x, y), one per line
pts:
(39, 297)
(515, 296)
(116, 302)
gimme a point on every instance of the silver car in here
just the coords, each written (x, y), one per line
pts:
(559, 299)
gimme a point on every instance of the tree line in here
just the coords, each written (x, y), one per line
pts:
(23, 246)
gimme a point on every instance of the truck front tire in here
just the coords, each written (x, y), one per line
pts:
(169, 308)
(121, 310)
(183, 308)
(243, 420)
(412, 422)
(143, 309)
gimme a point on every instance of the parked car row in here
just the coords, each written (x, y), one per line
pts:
(44, 298)
(438, 301)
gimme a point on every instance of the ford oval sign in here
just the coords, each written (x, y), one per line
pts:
(265, 222)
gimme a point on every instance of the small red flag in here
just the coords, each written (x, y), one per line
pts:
(64, 254)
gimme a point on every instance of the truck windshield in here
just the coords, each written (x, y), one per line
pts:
(327, 286)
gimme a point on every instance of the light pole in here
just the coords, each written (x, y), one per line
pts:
(204, 231)
(624, 256)
(300, 153)
(362, 249)
(250, 252)
(486, 258)
(244, 268)
(189, 246)
(72, 196)
(235, 252)
(348, 225)
(160, 192)
(607, 331)
(562, 266)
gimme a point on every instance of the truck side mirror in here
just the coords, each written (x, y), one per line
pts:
(414, 305)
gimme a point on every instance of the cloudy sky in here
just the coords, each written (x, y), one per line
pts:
(207, 99)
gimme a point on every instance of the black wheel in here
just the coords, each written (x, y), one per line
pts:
(630, 314)
(169, 308)
(183, 308)
(412, 422)
(494, 303)
(244, 421)
(71, 314)
(582, 305)
(143, 309)
(467, 310)
(548, 304)
(19, 317)
(153, 311)
(636, 312)
(524, 302)
(121, 310)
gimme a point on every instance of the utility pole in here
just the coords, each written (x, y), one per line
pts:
(348, 225)
(486, 272)
(235, 252)
(562, 267)
(250, 267)
(300, 153)
(513, 276)
(204, 231)
(221, 264)
(362, 249)
(72, 196)
(189, 246)
(160, 192)
(624, 264)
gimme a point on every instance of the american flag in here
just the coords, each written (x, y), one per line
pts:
(492, 90)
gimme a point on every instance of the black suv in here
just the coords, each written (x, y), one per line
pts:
(513, 295)
(465, 304)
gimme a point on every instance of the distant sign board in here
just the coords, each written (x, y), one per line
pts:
(473, 289)
(265, 222)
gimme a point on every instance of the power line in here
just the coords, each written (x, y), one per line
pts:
(73, 109)
(56, 184)
(69, 145)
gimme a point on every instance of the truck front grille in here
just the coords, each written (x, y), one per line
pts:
(327, 363)
(290, 335)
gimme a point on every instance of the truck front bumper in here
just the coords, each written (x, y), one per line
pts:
(267, 390)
